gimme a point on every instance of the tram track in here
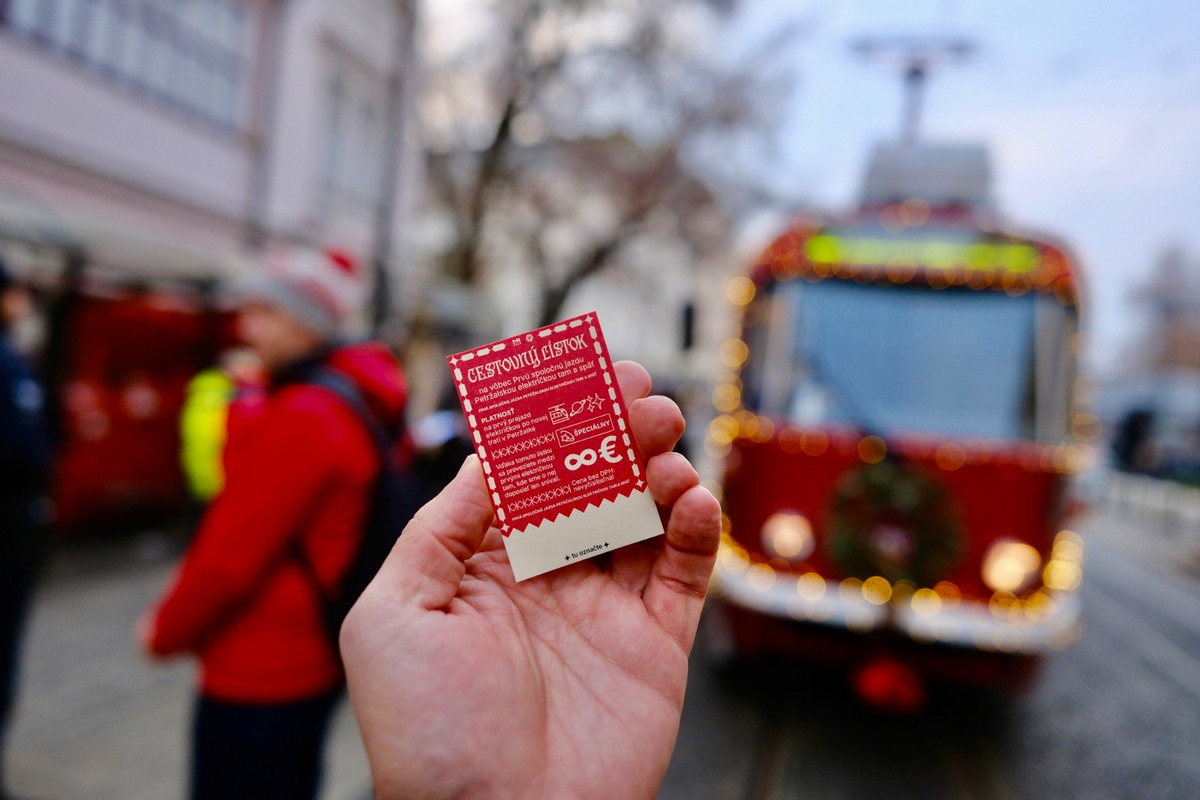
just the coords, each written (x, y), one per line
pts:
(1135, 605)
(843, 747)
(976, 774)
(769, 769)
(1152, 647)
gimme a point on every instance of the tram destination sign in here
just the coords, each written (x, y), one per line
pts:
(879, 251)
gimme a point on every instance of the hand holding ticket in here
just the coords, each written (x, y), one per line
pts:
(468, 684)
(552, 432)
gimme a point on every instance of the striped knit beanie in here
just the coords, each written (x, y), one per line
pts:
(320, 289)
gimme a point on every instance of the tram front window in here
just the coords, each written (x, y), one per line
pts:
(893, 359)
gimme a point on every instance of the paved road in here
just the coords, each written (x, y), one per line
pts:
(95, 721)
(1117, 715)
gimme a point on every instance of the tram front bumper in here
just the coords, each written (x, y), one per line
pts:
(1019, 629)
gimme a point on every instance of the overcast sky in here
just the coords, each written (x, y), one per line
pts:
(1091, 110)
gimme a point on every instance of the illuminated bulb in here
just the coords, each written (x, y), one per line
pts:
(902, 591)
(727, 397)
(733, 353)
(1068, 551)
(1009, 565)
(976, 451)
(765, 430)
(890, 219)
(948, 592)
(788, 535)
(815, 443)
(786, 266)
(748, 426)
(978, 279)
(1038, 605)
(760, 577)
(730, 562)
(872, 449)
(716, 452)
(791, 441)
(1069, 539)
(950, 456)
(1005, 605)
(1062, 576)
(914, 212)
(876, 590)
(722, 431)
(740, 291)
(926, 602)
(1080, 458)
(810, 586)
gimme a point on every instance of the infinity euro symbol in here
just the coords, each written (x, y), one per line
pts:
(576, 460)
(608, 450)
(588, 456)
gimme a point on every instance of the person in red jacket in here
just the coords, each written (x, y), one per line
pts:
(299, 474)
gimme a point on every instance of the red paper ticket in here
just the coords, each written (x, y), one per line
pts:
(550, 426)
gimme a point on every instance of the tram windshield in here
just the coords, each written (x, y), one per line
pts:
(893, 359)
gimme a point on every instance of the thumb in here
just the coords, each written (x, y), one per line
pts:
(427, 563)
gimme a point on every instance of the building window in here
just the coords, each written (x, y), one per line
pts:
(192, 54)
(353, 141)
(29, 16)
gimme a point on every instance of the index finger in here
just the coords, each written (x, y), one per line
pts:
(633, 380)
(655, 421)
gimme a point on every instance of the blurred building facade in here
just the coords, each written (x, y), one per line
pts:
(199, 131)
(150, 149)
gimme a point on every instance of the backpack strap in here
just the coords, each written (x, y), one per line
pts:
(352, 396)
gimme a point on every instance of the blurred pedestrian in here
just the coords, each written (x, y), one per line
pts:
(1132, 440)
(249, 597)
(24, 469)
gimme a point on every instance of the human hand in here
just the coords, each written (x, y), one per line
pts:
(568, 685)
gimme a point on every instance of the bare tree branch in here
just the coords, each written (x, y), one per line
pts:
(608, 116)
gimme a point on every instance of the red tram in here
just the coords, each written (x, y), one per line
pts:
(897, 428)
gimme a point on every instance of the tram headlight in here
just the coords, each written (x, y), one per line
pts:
(1010, 566)
(788, 535)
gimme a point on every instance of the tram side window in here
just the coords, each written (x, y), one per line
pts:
(768, 375)
(1056, 327)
